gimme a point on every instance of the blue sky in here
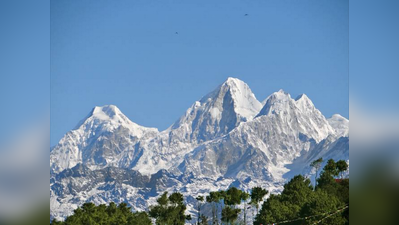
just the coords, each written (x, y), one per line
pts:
(24, 65)
(126, 53)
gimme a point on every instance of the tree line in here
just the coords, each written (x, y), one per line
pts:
(327, 202)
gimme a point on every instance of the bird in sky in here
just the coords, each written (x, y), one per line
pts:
(176, 32)
(246, 14)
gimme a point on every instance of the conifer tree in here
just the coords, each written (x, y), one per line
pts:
(170, 210)
(342, 166)
(213, 198)
(316, 164)
(257, 195)
(199, 199)
(229, 215)
(102, 214)
(245, 197)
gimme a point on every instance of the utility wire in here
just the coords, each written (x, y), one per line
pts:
(331, 215)
(308, 217)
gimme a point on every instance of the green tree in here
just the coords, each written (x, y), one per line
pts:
(159, 212)
(297, 191)
(244, 198)
(299, 204)
(170, 210)
(200, 200)
(214, 198)
(288, 204)
(342, 166)
(139, 218)
(326, 181)
(323, 205)
(331, 168)
(273, 210)
(257, 195)
(316, 164)
(90, 214)
(232, 196)
(229, 214)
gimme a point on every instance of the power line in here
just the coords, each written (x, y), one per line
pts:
(331, 215)
(308, 217)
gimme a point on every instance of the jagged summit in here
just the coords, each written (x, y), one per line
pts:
(219, 112)
(276, 102)
(303, 95)
(304, 103)
(300, 112)
(231, 80)
(281, 91)
(244, 99)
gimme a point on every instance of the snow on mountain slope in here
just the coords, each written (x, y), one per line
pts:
(330, 148)
(300, 113)
(98, 139)
(340, 125)
(216, 114)
(228, 138)
(262, 147)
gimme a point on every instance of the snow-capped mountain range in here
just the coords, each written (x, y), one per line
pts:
(227, 138)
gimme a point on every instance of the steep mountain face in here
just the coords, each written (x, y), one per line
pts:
(227, 138)
(217, 113)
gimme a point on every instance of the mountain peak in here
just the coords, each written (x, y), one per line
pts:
(338, 117)
(241, 96)
(281, 91)
(280, 94)
(233, 81)
(111, 117)
(220, 111)
(277, 101)
(303, 102)
(105, 112)
(303, 95)
(340, 124)
(245, 102)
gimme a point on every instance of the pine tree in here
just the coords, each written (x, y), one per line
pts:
(244, 197)
(229, 214)
(316, 164)
(214, 198)
(342, 166)
(170, 210)
(300, 204)
(199, 199)
(257, 195)
(112, 214)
